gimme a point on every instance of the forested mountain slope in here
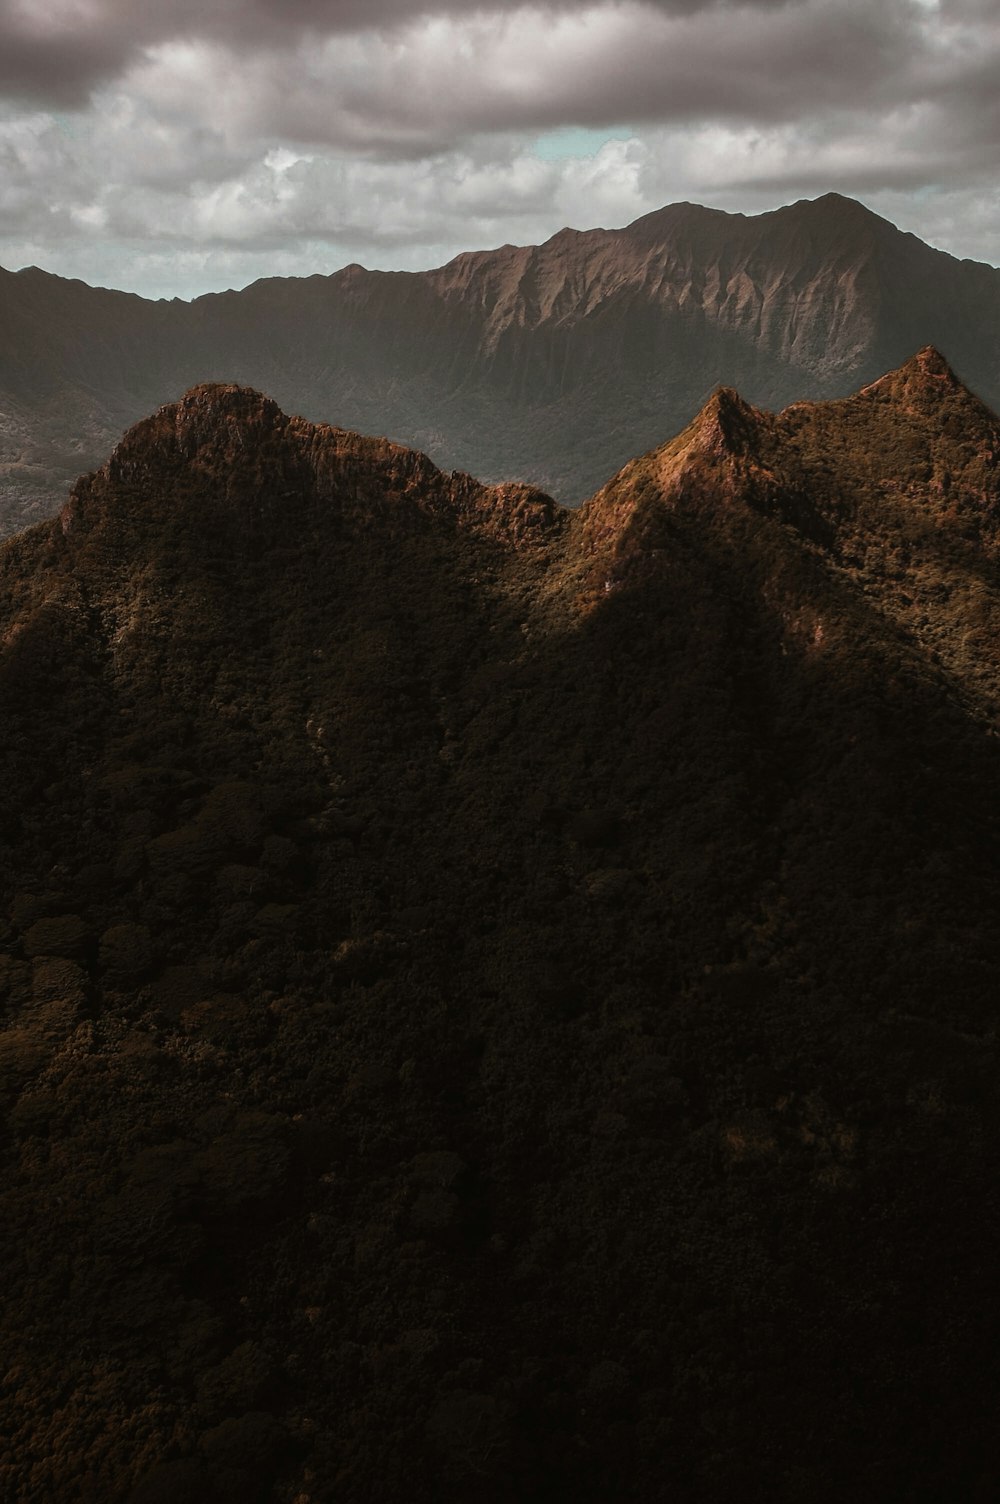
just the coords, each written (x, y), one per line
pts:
(499, 1003)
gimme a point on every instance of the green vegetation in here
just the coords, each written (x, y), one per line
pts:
(498, 1005)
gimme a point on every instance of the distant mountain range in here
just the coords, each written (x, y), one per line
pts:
(498, 1003)
(551, 364)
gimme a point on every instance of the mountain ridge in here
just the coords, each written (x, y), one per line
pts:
(550, 364)
(498, 1001)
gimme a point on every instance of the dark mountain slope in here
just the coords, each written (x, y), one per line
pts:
(552, 363)
(501, 1004)
(894, 489)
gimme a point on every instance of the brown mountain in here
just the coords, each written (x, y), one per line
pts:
(499, 1003)
(552, 364)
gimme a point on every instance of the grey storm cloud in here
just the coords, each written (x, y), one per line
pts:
(394, 77)
(55, 52)
(175, 146)
(758, 65)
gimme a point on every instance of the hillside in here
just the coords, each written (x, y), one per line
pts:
(551, 364)
(499, 1002)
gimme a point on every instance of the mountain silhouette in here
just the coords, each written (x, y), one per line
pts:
(551, 364)
(499, 1001)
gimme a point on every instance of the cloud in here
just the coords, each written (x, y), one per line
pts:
(199, 145)
(427, 84)
(57, 51)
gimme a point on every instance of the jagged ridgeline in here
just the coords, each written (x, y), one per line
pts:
(499, 1003)
(553, 363)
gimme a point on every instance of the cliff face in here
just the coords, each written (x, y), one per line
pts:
(550, 364)
(497, 1002)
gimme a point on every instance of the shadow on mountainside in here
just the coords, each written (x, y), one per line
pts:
(471, 1034)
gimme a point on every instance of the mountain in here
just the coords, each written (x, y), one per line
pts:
(499, 1002)
(551, 364)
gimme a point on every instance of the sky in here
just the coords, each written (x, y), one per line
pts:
(173, 147)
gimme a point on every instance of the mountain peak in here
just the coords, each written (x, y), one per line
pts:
(213, 421)
(728, 423)
(836, 209)
(830, 209)
(930, 362)
(225, 400)
(229, 462)
(210, 403)
(700, 470)
(840, 203)
(925, 378)
(919, 423)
